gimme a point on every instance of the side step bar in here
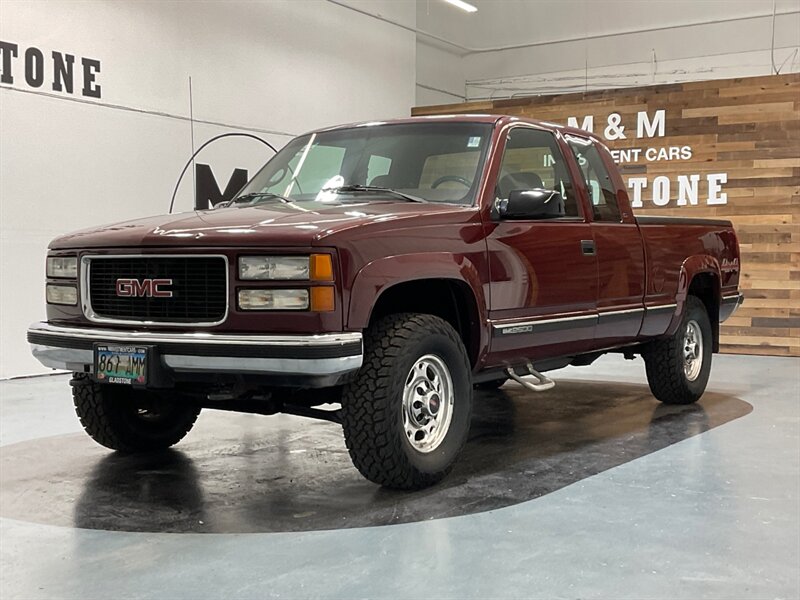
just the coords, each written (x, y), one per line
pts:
(544, 382)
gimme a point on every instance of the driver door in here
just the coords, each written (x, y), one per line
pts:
(543, 272)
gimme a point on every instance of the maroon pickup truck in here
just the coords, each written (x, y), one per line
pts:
(373, 275)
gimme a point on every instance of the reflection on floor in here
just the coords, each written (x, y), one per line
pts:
(244, 474)
(590, 490)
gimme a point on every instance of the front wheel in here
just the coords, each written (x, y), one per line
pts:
(678, 367)
(130, 420)
(406, 415)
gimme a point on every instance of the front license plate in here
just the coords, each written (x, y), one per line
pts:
(120, 364)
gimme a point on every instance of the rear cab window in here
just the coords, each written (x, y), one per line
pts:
(599, 186)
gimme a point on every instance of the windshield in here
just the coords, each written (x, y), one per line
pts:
(430, 162)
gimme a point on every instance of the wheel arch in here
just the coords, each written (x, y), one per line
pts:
(700, 276)
(440, 284)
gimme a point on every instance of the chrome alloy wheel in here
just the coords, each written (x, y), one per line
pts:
(427, 403)
(692, 350)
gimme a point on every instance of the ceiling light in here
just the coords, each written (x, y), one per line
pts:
(463, 5)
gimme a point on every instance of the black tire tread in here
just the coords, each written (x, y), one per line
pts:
(98, 418)
(664, 366)
(372, 439)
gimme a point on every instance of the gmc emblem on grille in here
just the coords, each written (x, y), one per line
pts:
(146, 288)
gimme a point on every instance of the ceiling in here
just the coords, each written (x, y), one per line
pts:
(499, 23)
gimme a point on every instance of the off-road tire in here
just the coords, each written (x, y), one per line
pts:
(110, 414)
(493, 384)
(664, 360)
(372, 404)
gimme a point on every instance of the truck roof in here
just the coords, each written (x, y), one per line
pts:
(494, 119)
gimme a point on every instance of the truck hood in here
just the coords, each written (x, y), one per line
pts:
(265, 224)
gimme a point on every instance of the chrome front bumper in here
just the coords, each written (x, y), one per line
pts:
(332, 355)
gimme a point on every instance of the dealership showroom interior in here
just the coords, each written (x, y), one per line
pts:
(400, 299)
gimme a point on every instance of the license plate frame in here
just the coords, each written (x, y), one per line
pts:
(126, 364)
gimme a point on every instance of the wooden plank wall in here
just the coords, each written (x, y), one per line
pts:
(748, 129)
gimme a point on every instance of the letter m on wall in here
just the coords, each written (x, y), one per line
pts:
(207, 192)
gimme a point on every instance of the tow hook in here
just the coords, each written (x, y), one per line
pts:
(545, 383)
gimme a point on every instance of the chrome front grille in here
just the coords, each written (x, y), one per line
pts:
(198, 289)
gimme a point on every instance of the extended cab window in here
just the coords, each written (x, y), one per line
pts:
(532, 159)
(598, 182)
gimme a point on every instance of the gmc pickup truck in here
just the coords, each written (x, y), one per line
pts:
(374, 275)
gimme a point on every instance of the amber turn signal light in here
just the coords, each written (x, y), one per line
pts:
(322, 299)
(321, 268)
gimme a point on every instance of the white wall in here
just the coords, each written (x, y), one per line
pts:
(277, 68)
(274, 68)
(585, 44)
(440, 75)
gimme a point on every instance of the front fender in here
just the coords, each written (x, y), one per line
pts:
(381, 274)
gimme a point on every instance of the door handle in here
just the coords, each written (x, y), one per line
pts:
(588, 248)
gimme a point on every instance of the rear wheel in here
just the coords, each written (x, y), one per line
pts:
(678, 367)
(406, 416)
(130, 420)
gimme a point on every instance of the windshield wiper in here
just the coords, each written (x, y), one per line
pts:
(374, 189)
(255, 195)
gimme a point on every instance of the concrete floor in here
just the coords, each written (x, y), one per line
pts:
(592, 490)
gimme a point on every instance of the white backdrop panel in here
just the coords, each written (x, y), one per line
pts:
(274, 69)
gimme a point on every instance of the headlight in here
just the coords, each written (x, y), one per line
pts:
(274, 267)
(62, 266)
(317, 267)
(62, 294)
(273, 299)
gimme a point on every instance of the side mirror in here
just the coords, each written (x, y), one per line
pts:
(537, 203)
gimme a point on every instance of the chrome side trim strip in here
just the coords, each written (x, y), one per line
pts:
(505, 323)
(86, 296)
(528, 326)
(108, 335)
(609, 317)
(628, 311)
(508, 323)
(657, 307)
(504, 327)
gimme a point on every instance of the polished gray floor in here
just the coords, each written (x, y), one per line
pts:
(592, 490)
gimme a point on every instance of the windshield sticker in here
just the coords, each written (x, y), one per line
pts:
(474, 141)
